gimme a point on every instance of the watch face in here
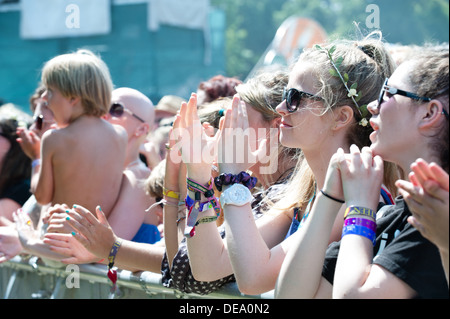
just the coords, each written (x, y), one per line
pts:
(238, 195)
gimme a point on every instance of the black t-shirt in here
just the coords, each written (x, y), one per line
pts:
(403, 251)
(19, 192)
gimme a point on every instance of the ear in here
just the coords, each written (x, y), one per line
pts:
(74, 100)
(142, 130)
(432, 116)
(343, 117)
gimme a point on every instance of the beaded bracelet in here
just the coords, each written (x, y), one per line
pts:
(227, 179)
(360, 231)
(362, 211)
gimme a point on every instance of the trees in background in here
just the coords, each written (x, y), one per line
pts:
(251, 24)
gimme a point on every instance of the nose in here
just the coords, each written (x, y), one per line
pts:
(373, 107)
(281, 108)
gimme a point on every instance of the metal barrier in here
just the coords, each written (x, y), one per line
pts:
(30, 278)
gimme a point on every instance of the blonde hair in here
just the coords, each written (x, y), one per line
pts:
(368, 63)
(81, 74)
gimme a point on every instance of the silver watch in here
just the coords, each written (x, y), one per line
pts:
(237, 195)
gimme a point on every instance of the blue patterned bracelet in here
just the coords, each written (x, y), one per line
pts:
(359, 230)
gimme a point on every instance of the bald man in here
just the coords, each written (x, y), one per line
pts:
(135, 112)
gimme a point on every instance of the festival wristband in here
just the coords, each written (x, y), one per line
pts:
(361, 211)
(207, 191)
(170, 193)
(202, 205)
(112, 273)
(360, 231)
(361, 222)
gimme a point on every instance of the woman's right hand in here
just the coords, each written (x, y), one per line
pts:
(95, 234)
(198, 150)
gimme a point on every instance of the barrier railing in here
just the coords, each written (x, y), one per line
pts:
(30, 278)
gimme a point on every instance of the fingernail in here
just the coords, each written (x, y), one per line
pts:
(99, 208)
(73, 233)
(67, 211)
(75, 206)
(67, 218)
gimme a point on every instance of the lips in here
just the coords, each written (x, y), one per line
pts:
(284, 124)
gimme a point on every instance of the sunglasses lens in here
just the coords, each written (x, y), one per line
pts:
(116, 110)
(292, 100)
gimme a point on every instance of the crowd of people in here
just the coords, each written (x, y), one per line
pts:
(327, 179)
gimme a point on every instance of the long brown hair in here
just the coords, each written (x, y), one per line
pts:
(16, 165)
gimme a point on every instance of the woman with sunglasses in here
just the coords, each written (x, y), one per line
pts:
(318, 115)
(380, 255)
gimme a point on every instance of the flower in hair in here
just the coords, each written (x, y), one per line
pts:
(352, 90)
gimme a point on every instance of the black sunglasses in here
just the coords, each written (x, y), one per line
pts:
(117, 110)
(394, 91)
(293, 98)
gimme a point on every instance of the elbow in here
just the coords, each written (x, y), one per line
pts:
(253, 285)
(42, 198)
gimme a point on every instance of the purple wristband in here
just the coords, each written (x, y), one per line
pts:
(361, 222)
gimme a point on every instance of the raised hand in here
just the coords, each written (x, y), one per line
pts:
(427, 196)
(198, 150)
(362, 175)
(238, 146)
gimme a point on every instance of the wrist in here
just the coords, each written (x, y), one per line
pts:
(202, 178)
(35, 163)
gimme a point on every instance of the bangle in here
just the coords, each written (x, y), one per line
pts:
(361, 211)
(332, 198)
(360, 231)
(171, 194)
(35, 162)
(361, 222)
(228, 179)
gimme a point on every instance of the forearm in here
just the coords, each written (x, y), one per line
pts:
(139, 256)
(301, 272)
(207, 252)
(255, 265)
(353, 266)
(171, 234)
